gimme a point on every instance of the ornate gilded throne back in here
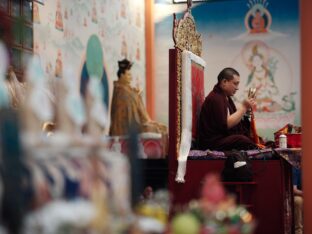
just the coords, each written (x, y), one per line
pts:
(186, 87)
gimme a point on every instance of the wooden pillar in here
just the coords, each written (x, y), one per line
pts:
(150, 63)
(306, 85)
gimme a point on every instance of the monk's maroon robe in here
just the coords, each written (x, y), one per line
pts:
(212, 127)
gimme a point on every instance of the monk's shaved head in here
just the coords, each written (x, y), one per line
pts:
(227, 74)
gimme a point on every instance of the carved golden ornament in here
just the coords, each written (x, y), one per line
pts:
(185, 36)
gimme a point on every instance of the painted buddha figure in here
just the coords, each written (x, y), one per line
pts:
(258, 23)
(261, 78)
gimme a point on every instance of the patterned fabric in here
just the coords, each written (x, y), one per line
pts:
(209, 154)
(291, 155)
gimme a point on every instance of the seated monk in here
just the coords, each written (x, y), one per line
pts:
(127, 106)
(220, 123)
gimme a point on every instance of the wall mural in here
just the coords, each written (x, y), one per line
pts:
(62, 30)
(259, 38)
(266, 68)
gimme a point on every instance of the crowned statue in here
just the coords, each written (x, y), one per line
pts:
(128, 107)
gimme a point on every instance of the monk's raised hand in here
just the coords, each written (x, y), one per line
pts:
(249, 103)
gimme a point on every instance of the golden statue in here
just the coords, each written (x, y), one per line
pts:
(128, 107)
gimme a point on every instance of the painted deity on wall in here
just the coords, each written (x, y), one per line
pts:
(102, 34)
(36, 48)
(59, 64)
(58, 17)
(102, 9)
(94, 14)
(261, 77)
(258, 23)
(266, 68)
(67, 44)
(65, 14)
(123, 10)
(138, 18)
(137, 56)
(258, 19)
(36, 17)
(124, 47)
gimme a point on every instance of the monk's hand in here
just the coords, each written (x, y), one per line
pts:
(249, 103)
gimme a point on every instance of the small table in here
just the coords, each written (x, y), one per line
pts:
(291, 155)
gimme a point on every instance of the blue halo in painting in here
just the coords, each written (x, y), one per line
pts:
(93, 66)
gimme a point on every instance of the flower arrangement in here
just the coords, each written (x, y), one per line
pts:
(214, 213)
